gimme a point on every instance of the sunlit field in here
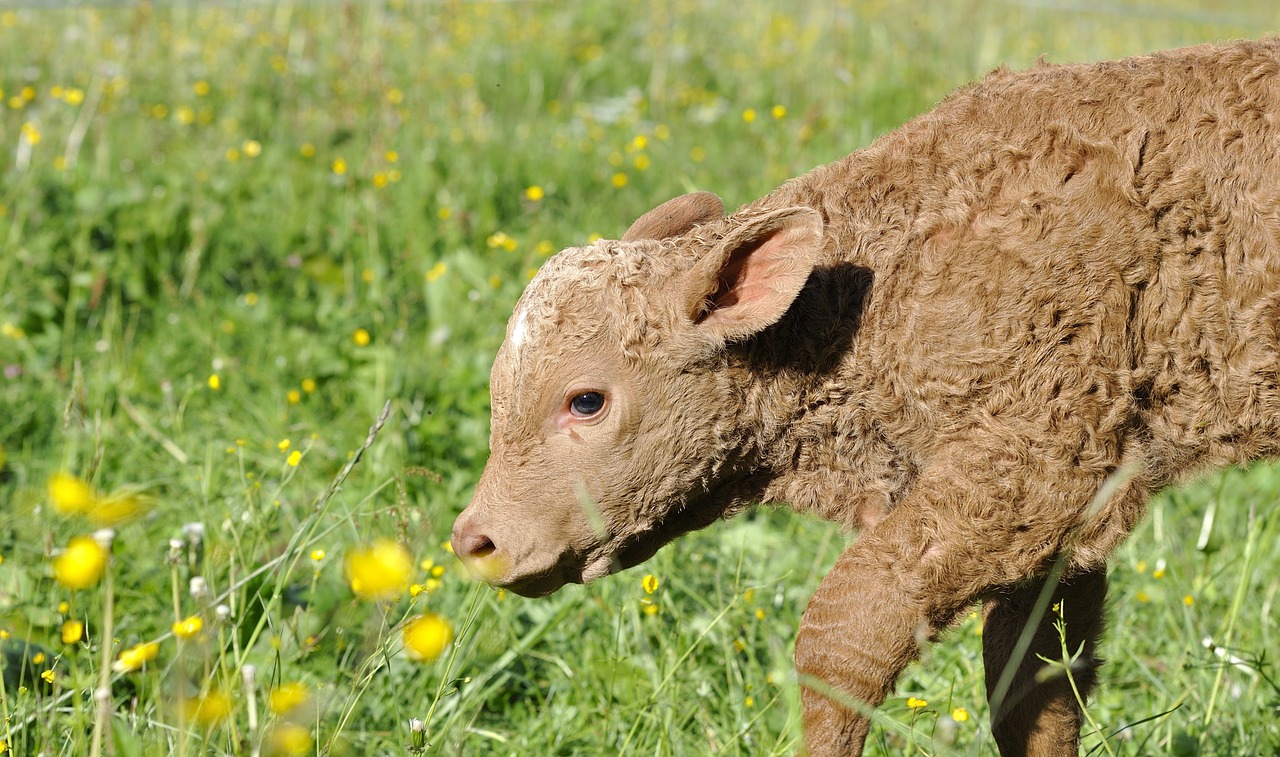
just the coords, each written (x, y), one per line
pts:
(232, 233)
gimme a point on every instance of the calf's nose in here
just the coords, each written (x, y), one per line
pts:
(469, 543)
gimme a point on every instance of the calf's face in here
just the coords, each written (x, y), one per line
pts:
(610, 407)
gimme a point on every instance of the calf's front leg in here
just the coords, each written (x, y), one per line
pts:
(862, 627)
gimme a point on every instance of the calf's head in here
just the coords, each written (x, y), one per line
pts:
(614, 419)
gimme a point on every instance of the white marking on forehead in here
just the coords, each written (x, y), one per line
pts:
(521, 329)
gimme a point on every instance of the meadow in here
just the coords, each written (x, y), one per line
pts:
(255, 260)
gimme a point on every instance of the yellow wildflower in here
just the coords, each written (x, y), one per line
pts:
(339, 166)
(70, 494)
(81, 564)
(72, 632)
(916, 704)
(426, 636)
(187, 628)
(317, 555)
(47, 676)
(293, 396)
(118, 508)
(749, 115)
(379, 571)
(288, 697)
(308, 385)
(135, 657)
(649, 583)
(288, 739)
(283, 445)
(960, 714)
(295, 457)
(361, 337)
(215, 383)
(534, 193)
(437, 271)
(210, 709)
(619, 180)
(778, 111)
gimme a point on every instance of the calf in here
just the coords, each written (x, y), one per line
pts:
(983, 341)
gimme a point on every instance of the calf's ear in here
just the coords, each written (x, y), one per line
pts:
(676, 216)
(748, 282)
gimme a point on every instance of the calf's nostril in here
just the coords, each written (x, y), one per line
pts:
(470, 546)
(483, 548)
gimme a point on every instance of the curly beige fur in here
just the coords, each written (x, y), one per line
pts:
(950, 340)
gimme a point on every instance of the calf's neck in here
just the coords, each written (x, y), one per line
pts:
(983, 342)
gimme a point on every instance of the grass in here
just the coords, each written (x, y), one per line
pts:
(224, 226)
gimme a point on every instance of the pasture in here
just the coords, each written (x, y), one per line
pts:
(232, 233)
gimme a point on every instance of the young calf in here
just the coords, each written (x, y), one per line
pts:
(951, 340)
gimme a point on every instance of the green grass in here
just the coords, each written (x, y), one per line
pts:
(173, 209)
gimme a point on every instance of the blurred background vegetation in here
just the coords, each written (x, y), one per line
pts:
(227, 226)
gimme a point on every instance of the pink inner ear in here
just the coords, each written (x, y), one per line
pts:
(750, 281)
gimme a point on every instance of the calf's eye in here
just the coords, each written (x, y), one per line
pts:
(586, 404)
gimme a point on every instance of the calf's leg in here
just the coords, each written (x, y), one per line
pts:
(862, 627)
(1037, 714)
